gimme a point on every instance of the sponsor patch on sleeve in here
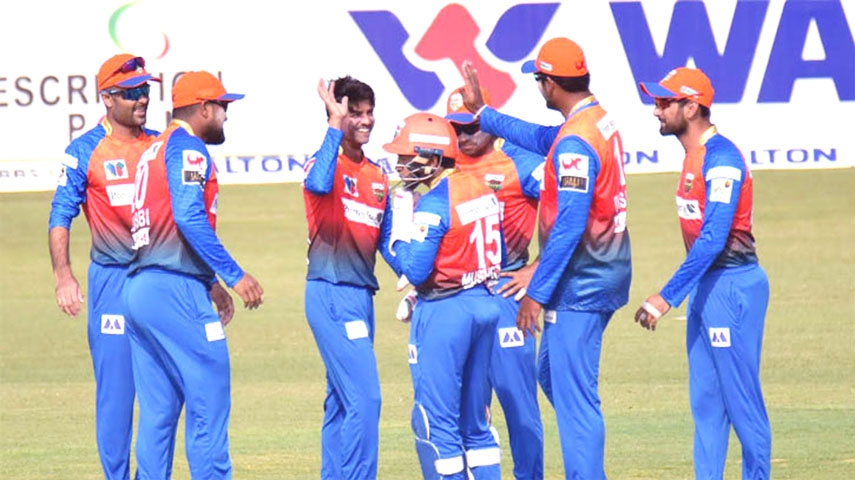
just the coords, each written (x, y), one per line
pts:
(62, 180)
(422, 221)
(69, 161)
(721, 189)
(573, 172)
(194, 165)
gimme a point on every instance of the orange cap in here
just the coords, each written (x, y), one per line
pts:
(682, 82)
(424, 133)
(197, 87)
(559, 57)
(456, 112)
(124, 71)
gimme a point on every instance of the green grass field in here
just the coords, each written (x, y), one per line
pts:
(805, 229)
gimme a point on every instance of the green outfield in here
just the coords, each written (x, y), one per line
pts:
(804, 223)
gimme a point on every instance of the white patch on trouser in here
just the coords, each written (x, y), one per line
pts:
(720, 337)
(483, 457)
(214, 331)
(356, 329)
(112, 324)
(550, 316)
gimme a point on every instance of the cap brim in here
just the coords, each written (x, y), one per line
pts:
(136, 81)
(461, 118)
(230, 97)
(529, 67)
(656, 91)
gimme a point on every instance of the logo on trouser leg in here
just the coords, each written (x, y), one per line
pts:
(113, 324)
(412, 354)
(720, 337)
(511, 337)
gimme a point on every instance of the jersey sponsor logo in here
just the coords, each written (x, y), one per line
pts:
(412, 354)
(121, 195)
(115, 170)
(69, 161)
(476, 209)
(721, 189)
(451, 36)
(720, 337)
(511, 337)
(494, 181)
(361, 213)
(356, 329)
(688, 209)
(550, 316)
(214, 331)
(350, 186)
(607, 126)
(573, 172)
(112, 324)
(379, 190)
(194, 165)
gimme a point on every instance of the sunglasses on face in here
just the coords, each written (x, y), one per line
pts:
(663, 103)
(540, 77)
(132, 93)
(224, 105)
(468, 129)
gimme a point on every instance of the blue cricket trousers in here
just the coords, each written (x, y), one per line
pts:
(724, 338)
(180, 359)
(569, 369)
(111, 361)
(513, 374)
(451, 341)
(342, 321)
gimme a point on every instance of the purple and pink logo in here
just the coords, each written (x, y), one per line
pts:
(452, 36)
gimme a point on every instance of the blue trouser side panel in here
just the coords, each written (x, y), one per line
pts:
(180, 358)
(513, 374)
(111, 361)
(342, 321)
(569, 366)
(724, 338)
(451, 342)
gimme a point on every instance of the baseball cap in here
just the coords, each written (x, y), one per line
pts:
(456, 112)
(682, 82)
(559, 57)
(124, 71)
(197, 87)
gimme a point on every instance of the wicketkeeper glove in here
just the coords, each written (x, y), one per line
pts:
(405, 308)
(402, 217)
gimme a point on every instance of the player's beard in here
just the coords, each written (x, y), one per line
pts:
(677, 127)
(214, 134)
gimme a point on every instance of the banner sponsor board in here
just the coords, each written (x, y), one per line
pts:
(783, 70)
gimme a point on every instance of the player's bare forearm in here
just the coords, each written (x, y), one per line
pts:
(68, 294)
(527, 317)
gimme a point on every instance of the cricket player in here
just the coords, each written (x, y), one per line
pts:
(728, 290)
(515, 175)
(449, 246)
(178, 341)
(346, 197)
(584, 271)
(98, 176)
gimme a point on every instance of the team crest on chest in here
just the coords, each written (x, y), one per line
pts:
(115, 170)
(379, 191)
(687, 182)
(494, 181)
(350, 186)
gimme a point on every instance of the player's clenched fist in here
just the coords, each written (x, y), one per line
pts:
(250, 291)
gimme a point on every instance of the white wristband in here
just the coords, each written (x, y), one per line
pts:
(651, 310)
(480, 111)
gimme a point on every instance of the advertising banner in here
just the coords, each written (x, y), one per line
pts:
(783, 71)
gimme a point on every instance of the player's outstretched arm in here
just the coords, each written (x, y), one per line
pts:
(250, 291)
(68, 293)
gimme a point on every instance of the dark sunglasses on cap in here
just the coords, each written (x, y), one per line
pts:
(131, 65)
(132, 93)
(466, 129)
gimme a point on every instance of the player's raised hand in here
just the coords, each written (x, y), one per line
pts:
(68, 295)
(223, 301)
(250, 291)
(337, 110)
(471, 88)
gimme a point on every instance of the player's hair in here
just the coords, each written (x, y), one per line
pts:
(704, 111)
(573, 84)
(353, 89)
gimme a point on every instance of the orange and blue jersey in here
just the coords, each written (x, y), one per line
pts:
(98, 175)
(348, 213)
(175, 209)
(456, 239)
(714, 204)
(585, 262)
(515, 175)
